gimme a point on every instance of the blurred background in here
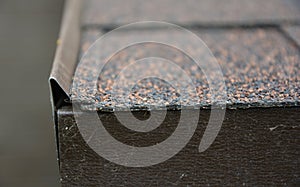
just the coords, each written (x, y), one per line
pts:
(28, 33)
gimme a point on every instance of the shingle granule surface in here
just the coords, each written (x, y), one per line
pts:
(260, 67)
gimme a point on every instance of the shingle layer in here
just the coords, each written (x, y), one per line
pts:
(260, 68)
(211, 12)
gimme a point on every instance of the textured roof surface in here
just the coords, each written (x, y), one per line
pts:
(117, 12)
(256, 44)
(261, 67)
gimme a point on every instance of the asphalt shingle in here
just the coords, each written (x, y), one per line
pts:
(260, 67)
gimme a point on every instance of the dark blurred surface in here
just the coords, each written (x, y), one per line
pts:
(28, 33)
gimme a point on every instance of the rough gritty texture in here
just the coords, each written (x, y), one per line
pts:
(212, 12)
(255, 147)
(261, 67)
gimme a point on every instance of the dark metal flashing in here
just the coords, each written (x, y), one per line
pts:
(255, 147)
(65, 60)
(66, 53)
